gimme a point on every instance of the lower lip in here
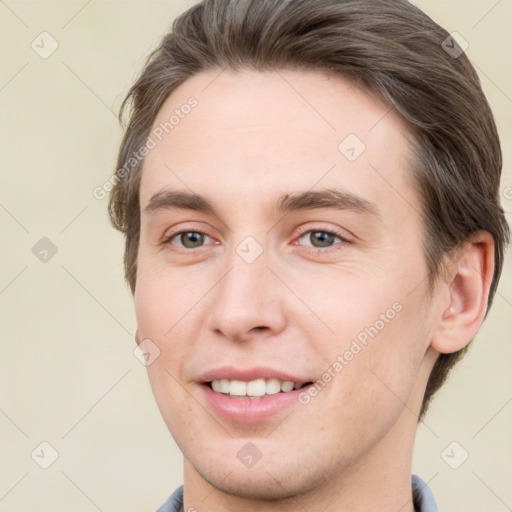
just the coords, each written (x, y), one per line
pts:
(249, 410)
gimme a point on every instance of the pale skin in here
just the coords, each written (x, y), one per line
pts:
(251, 139)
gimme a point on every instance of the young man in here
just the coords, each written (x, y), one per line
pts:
(309, 194)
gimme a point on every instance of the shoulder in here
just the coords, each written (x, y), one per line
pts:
(174, 502)
(424, 500)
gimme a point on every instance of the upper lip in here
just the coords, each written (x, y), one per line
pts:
(249, 374)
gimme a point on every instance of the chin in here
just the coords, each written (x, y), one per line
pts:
(254, 484)
(276, 476)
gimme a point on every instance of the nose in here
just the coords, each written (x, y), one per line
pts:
(248, 302)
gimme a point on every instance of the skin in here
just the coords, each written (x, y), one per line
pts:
(251, 139)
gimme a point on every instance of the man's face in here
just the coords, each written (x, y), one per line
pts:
(283, 288)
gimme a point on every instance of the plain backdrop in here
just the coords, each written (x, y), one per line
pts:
(68, 375)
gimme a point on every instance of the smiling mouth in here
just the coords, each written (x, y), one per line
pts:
(254, 389)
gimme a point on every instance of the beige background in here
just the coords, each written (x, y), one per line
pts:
(67, 372)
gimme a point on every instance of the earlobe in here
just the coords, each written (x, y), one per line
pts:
(468, 283)
(137, 336)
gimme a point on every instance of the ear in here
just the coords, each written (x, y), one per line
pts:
(137, 336)
(467, 286)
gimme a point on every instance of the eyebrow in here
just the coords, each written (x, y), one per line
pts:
(297, 201)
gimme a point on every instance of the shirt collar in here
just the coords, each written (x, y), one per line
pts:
(423, 498)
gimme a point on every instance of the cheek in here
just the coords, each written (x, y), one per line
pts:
(158, 312)
(391, 362)
(150, 311)
(379, 346)
(161, 297)
(376, 383)
(352, 315)
(166, 307)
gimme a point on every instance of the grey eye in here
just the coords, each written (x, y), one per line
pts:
(320, 238)
(190, 239)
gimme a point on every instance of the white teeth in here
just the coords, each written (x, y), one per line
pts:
(254, 388)
(287, 385)
(224, 385)
(273, 386)
(238, 388)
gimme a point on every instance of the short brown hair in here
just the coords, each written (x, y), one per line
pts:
(391, 48)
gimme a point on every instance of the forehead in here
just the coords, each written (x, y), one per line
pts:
(250, 134)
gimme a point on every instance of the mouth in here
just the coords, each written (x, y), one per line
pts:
(254, 389)
(249, 395)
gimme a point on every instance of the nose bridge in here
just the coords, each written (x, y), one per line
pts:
(246, 296)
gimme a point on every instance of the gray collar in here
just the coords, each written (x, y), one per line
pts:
(423, 498)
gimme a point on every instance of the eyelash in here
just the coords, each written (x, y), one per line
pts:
(338, 234)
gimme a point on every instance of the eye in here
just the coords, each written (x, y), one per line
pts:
(321, 238)
(318, 239)
(187, 239)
